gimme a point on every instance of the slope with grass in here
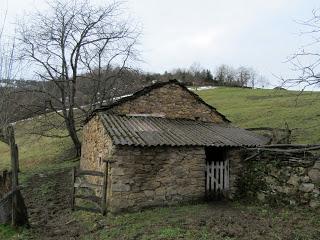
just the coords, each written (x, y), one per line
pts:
(36, 153)
(270, 108)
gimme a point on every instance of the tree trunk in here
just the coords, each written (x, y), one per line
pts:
(75, 140)
(74, 136)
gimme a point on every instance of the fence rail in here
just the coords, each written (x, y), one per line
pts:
(89, 173)
(8, 194)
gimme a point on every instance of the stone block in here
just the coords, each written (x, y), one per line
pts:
(306, 187)
(135, 188)
(292, 202)
(294, 180)
(149, 193)
(118, 171)
(316, 193)
(305, 179)
(317, 165)
(148, 167)
(270, 180)
(274, 172)
(314, 175)
(300, 170)
(120, 187)
(150, 185)
(314, 204)
(170, 191)
(261, 197)
(160, 191)
(283, 189)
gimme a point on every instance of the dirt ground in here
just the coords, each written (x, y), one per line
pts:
(48, 201)
(47, 197)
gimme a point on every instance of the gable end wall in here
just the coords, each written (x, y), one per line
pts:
(173, 102)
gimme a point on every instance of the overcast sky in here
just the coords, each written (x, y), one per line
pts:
(176, 33)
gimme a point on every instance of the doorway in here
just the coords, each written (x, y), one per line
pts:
(216, 173)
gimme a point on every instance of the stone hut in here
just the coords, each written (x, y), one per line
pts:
(166, 145)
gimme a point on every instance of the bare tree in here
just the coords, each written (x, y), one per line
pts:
(253, 80)
(73, 41)
(224, 74)
(244, 76)
(8, 69)
(306, 62)
(261, 81)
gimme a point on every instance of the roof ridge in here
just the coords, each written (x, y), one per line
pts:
(160, 117)
(148, 89)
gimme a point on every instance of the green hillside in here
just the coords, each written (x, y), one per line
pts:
(269, 108)
(36, 153)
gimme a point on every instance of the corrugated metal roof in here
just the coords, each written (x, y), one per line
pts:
(157, 131)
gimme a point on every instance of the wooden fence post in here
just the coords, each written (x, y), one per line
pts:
(104, 189)
(17, 157)
(14, 167)
(73, 188)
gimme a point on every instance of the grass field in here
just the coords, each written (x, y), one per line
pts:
(245, 108)
(270, 108)
(216, 221)
(36, 153)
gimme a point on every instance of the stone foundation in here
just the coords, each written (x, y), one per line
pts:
(282, 180)
(144, 177)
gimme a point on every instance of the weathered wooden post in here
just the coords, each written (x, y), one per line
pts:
(19, 214)
(104, 189)
(74, 169)
(14, 167)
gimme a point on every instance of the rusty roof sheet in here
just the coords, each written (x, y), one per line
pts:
(157, 131)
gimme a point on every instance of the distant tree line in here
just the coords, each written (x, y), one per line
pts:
(224, 75)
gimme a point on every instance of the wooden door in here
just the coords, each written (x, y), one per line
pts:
(217, 177)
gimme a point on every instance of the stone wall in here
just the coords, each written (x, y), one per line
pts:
(172, 101)
(277, 179)
(143, 177)
(96, 147)
(234, 155)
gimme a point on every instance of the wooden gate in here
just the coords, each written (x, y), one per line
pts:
(217, 178)
(78, 182)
